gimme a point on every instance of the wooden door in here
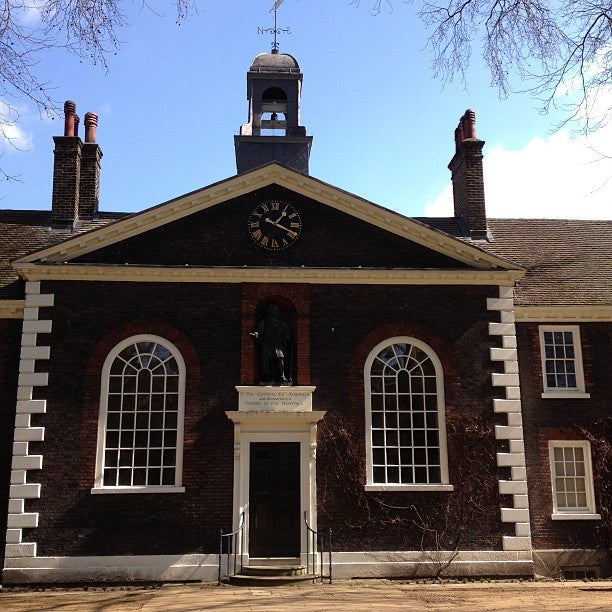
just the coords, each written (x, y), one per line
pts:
(274, 499)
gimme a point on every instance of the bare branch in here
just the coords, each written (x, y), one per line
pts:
(559, 52)
(29, 28)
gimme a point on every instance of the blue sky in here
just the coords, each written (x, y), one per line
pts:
(174, 96)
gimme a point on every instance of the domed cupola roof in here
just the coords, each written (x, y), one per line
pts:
(274, 62)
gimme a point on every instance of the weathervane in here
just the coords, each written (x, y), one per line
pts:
(275, 30)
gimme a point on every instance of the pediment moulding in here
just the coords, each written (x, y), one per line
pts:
(245, 183)
(337, 276)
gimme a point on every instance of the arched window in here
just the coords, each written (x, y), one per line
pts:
(140, 433)
(405, 427)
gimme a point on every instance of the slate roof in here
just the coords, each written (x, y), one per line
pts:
(569, 262)
(24, 231)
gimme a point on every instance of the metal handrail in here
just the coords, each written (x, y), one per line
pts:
(316, 540)
(232, 550)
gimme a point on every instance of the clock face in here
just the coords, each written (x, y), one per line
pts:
(274, 225)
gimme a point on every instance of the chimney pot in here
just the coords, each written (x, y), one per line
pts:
(69, 117)
(469, 118)
(91, 124)
(467, 177)
(458, 137)
(466, 128)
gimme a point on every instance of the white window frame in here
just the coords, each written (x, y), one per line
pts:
(588, 512)
(564, 392)
(176, 487)
(443, 485)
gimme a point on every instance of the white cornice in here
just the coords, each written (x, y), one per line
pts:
(327, 276)
(257, 179)
(11, 309)
(563, 314)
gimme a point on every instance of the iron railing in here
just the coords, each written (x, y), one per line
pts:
(231, 550)
(318, 543)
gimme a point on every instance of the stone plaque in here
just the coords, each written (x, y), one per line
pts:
(275, 399)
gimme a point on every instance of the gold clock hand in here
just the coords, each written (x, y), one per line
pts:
(290, 233)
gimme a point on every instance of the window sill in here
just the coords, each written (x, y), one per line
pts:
(410, 487)
(565, 395)
(575, 516)
(113, 490)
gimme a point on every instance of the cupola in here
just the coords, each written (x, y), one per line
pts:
(273, 131)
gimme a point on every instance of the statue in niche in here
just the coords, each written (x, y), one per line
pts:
(273, 337)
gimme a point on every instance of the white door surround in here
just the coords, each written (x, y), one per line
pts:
(275, 414)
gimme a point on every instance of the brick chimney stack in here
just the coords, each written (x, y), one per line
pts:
(468, 178)
(76, 170)
(90, 170)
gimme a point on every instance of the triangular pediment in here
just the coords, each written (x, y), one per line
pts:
(208, 228)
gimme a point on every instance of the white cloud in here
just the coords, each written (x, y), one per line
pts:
(559, 177)
(29, 13)
(12, 136)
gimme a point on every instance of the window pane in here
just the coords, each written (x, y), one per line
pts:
(140, 477)
(393, 474)
(405, 424)
(155, 456)
(420, 475)
(570, 483)
(142, 417)
(420, 456)
(157, 420)
(435, 474)
(418, 438)
(169, 457)
(378, 438)
(111, 457)
(392, 456)
(559, 359)
(407, 475)
(379, 474)
(154, 477)
(406, 456)
(378, 456)
(125, 458)
(125, 478)
(110, 478)
(112, 439)
(140, 458)
(168, 476)
(391, 419)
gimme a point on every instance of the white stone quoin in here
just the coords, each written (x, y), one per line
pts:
(512, 432)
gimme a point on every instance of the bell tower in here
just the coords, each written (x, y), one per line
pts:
(273, 132)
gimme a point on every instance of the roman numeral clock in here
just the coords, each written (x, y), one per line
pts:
(274, 225)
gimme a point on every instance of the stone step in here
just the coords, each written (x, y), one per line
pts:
(275, 561)
(269, 574)
(245, 580)
(273, 570)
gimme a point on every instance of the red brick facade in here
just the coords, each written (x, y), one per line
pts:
(210, 326)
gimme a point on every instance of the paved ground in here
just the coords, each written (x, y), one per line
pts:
(349, 595)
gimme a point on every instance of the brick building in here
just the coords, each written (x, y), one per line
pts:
(271, 349)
